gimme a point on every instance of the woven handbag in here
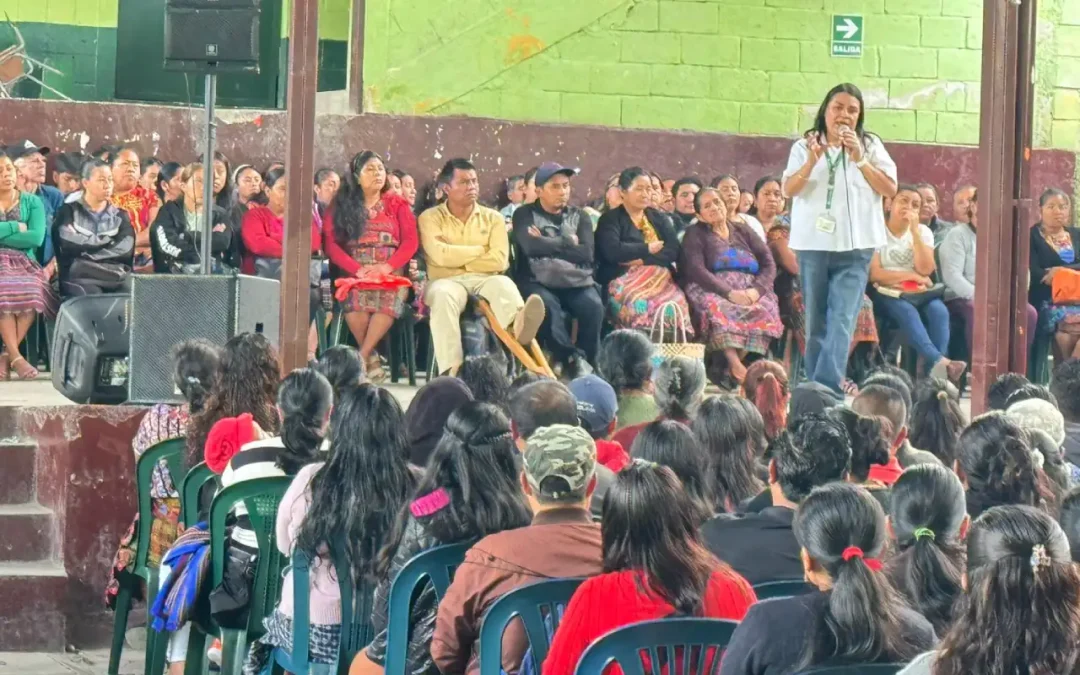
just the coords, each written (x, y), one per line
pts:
(680, 345)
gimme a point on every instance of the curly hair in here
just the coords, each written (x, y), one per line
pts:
(868, 444)
(995, 458)
(348, 210)
(198, 365)
(248, 383)
(678, 385)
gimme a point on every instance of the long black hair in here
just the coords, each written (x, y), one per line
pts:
(625, 360)
(341, 365)
(995, 460)
(819, 119)
(198, 365)
(1021, 611)
(868, 444)
(841, 527)
(678, 385)
(732, 435)
(356, 495)
(304, 399)
(475, 462)
(650, 524)
(348, 208)
(247, 383)
(672, 444)
(761, 183)
(169, 170)
(485, 376)
(936, 419)
(927, 511)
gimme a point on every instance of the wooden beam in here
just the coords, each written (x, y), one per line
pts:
(299, 168)
(356, 57)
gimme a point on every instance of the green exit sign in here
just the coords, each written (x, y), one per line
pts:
(847, 35)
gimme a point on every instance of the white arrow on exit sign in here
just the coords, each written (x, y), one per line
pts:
(849, 27)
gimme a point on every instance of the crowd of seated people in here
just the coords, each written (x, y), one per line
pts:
(901, 552)
(671, 258)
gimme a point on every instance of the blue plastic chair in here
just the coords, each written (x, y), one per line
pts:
(858, 669)
(436, 565)
(785, 588)
(539, 606)
(684, 643)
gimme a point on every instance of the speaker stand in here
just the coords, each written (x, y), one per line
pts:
(208, 172)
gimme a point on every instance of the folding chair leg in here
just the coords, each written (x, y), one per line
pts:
(233, 651)
(410, 350)
(123, 608)
(156, 643)
(541, 360)
(195, 663)
(511, 343)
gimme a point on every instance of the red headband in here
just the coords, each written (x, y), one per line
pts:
(856, 552)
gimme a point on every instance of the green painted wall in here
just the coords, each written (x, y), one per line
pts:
(742, 66)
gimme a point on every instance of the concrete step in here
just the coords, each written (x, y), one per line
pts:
(17, 471)
(9, 421)
(32, 598)
(27, 533)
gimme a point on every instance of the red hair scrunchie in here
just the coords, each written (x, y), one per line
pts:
(856, 552)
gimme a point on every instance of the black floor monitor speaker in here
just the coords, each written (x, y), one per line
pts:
(167, 309)
(90, 349)
(212, 35)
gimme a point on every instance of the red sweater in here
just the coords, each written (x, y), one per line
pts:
(613, 600)
(612, 455)
(263, 233)
(886, 473)
(398, 215)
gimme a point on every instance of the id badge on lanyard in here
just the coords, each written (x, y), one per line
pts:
(826, 222)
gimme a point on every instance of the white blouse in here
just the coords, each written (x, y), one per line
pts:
(856, 208)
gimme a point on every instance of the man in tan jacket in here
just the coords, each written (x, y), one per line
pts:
(467, 249)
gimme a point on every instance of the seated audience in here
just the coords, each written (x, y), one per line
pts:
(746, 201)
(957, 253)
(655, 566)
(1065, 386)
(928, 213)
(962, 203)
(562, 541)
(151, 169)
(140, 205)
(762, 546)
(673, 444)
(468, 491)
(882, 400)
(1003, 386)
(857, 617)
(678, 386)
(928, 519)
(352, 498)
(554, 244)
(485, 376)
(905, 263)
(467, 250)
(1020, 611)
(869, 447)
(170, 186)
(727, 186)
(767, 387)
(1070, 521)
(625, 361)
(176, 235)
(936, 419)
(1029, 391)
(995, 463)
(342, 367)
(515, 196)
(408, 187)
(94, 239)
(196, 366)
(249, 193)
(811, 398)
(369, 228)
(326, 185)
(247, 383)
(66, 170)
(636, 250)
(668, 195)
(1054, 246)
(426, 417)
(683, 213)
(597, 406)
(222, 189)
(24, 286)
(659, 198)
(732, 435)
(727, 272)
(30, 164)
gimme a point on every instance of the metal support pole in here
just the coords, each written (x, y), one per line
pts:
(208, 173)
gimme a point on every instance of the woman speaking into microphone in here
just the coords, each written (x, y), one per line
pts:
(836, 176)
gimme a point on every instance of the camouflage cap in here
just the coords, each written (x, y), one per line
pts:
(560, 451)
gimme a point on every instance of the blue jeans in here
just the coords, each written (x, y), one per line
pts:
(833, 283)
(925, 328)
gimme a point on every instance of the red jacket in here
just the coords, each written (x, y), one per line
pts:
(263, 234)
(398, 215)
(886, 473)
(612, 455)
(613, 600)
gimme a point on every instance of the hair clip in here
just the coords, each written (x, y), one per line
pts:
(921, 532)
(639, 462)
(1039, 557)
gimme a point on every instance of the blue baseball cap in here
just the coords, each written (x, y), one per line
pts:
(596, 403)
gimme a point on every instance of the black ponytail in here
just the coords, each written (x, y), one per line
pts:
(996, 460)
(842, 529)
(304, 399)
(936, 419)
(927, 510)
(868, 444)
(198, 364)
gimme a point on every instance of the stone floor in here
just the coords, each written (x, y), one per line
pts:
(93, 662)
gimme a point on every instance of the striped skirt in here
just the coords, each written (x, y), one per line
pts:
(24, 286)
(635, 298)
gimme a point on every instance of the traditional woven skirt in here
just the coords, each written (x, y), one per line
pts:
(390, 303)
(24, 286)
(635, 298)
(865, 324)
(727, 325)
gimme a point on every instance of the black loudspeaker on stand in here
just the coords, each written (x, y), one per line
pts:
(221, 36)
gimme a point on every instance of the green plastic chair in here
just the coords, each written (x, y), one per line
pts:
(679, 639)
(436, 565)
(262, 496)
(784, 588)
(196, 478)
(539, 607)
(172, 452)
